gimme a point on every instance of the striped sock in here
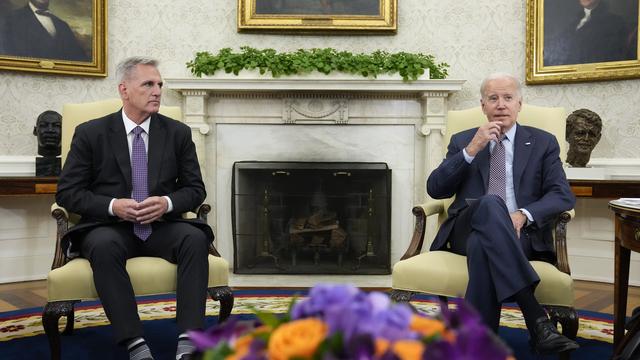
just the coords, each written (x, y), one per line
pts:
(185, 346)
(138, 349)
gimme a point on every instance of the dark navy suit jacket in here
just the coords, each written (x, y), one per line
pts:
(540, 184)
(98, 169)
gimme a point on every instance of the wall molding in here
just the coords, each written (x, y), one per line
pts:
(17, 165)
(618, 168)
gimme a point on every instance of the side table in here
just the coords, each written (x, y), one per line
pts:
(27, 185)
(627, 239)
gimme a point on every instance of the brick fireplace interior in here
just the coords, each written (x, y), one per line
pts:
(311, 217)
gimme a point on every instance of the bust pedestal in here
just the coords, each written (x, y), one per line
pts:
(47, 166)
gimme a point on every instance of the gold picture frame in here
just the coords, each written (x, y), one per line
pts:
(374, 16)
(71, 39)
(565, 45)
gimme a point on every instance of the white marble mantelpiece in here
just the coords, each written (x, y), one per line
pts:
(343, 118)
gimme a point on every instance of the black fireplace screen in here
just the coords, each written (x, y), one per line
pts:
(311, 218)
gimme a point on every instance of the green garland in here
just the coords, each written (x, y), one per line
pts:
(409, 66)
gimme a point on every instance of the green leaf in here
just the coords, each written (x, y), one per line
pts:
(219, 352)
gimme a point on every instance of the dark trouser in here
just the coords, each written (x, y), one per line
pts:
(108, 247)
(497, 264)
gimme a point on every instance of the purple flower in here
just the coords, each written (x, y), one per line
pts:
(256, 350)
(350, 311)
(228, 332)
(360, 347)
(464, 316)
(323, 297)
(393, 323)
(473, 338)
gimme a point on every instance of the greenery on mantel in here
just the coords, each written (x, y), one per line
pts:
(410, 66)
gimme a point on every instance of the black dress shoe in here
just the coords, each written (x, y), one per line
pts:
(547, 340)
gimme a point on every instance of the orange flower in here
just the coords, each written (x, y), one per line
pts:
(426, 326)
(408, 349)
(382, 345)
(243, 343)
(241, 348)
(298, 338)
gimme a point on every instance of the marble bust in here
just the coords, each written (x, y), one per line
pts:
(584, 130)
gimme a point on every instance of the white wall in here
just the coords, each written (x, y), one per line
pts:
(474, 37)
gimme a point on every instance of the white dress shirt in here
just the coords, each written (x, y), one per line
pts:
(587, 16)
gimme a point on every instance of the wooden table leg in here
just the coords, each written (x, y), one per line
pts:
(620, 293)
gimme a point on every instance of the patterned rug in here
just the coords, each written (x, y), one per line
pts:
(16, 327)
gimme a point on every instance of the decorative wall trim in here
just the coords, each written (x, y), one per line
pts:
(607, 169)
(618, 168)
(312, 84)
(614, 162)
(21, 165)
(600, 269)
(321, 110)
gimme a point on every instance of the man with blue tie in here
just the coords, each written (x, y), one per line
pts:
(509, 186)
(130, 175)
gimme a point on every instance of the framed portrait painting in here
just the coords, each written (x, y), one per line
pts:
(53, 36)
(582, 40)
(318, 15)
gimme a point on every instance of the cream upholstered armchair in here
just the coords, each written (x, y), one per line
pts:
(444, 273)
(71, 281)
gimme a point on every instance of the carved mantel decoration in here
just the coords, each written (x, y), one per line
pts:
(212, 105)
(332, 109)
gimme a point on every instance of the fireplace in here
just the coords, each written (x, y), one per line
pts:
(311, 217)
(315, 119)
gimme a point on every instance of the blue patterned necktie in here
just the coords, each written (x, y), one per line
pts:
(139, 179)
(498, 171)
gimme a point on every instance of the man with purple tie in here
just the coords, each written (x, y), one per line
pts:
(130, 175)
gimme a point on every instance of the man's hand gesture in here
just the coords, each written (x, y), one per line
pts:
(487, 132)
(145, 212)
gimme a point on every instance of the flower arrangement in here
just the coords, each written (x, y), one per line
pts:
(342, 322)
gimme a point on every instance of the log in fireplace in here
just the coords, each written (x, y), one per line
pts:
(311, 217)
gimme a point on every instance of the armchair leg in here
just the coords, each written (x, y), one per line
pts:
(568, 318)
(400, 295)
(224, 294)
(51, 315)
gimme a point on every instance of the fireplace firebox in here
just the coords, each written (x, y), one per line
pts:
(311, 217)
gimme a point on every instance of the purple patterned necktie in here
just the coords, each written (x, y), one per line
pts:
(498, 171)
(139, 178)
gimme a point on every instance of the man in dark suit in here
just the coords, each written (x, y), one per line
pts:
(130, 204)
(509, 185)
(592, 35)
(33, 31)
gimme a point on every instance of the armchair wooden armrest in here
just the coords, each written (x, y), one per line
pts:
(560, 243)
(421, 212)
(431, 207)
(63, 217)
